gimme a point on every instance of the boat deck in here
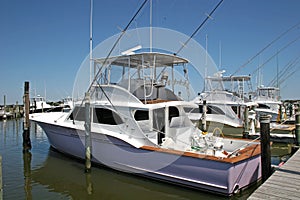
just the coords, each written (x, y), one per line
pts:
(285, 128)
(283, 184)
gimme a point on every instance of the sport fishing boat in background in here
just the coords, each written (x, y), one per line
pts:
(268, 100)
(139, 125)
(226, 103)
(38, 104)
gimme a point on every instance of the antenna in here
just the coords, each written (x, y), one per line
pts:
(150, 26)
(114, 46)
(91, 40)
(206, 48)
(199, 27)
(277, 68)
(220, 54)
(131, 50)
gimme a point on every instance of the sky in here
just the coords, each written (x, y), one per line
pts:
(45, 41)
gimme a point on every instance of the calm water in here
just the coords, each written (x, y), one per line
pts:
(46, 174)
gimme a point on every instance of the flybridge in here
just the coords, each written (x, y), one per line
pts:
(144, 60)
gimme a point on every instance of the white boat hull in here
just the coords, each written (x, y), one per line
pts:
(201, 173)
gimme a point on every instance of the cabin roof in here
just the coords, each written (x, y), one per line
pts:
(144, 59)
(229, 78)
(268, 88)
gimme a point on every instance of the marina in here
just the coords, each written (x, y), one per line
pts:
(44, 172)
(140, 119)
(151, 114)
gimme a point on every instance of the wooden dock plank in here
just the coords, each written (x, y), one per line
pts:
(283, 184)
(287, 180)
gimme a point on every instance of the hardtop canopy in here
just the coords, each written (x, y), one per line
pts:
(147, 60)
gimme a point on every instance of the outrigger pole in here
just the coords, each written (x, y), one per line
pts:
(87, 125)
(115, 44)
(199, 27)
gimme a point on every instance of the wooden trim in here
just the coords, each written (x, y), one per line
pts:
(155, 101)
(250, 151)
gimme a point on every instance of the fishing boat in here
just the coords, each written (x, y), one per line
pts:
(139, 125)
(226, 103)
(39, 104)
(268, 102)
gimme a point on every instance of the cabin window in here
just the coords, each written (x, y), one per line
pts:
(263, 106)
(106, 116)
(192, 110)
(159, 119)
(210, 110)
(78, 114)
(214, 110)
(141, 115)
(235, 109)
(100, 115)
(173, 112)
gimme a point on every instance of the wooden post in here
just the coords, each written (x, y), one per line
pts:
(17, 110)
(279, 116)
(27, 157)
(1, 184)
(265, 146)
(246, 123)
(297, 124)
(89, 183)
(203, 117)
(4, 102)
(26, 131)
(88, 139)
(4, 108)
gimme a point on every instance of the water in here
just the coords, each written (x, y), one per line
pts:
(46, 174)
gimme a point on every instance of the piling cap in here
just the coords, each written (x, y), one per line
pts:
(265, 118)
(26, 87)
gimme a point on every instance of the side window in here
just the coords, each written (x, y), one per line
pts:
(141, 115)
(100, 115)
(173, 112)
(106, 116)
(214, 110)
(263, 106)
(78, 114)
(235, 109)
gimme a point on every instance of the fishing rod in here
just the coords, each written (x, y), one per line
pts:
(199, 27)
(289, 75)
(291, 42)
(267, 46)
(92, 81)
(115, 44)
(286, 69)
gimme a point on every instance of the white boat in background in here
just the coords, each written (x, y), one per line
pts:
(5, 114)
(225, 105)
(38, 104)
(67, 104)
(268, 100)
(139, 125)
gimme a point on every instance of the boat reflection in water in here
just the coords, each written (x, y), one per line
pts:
(60, 174)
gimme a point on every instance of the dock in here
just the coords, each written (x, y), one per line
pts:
(1, 184)
(284, 183)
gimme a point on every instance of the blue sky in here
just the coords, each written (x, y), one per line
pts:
(45, 41)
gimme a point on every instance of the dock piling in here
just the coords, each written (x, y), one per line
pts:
(203, 117)
(297, 126)
(265, 146)
(26, 132)
(88, 140)
(1, 184)
(246, 123)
